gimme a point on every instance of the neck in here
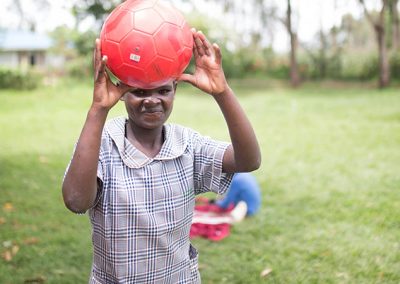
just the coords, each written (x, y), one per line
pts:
(148, 141)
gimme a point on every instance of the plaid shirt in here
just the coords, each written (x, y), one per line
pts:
(143, 213)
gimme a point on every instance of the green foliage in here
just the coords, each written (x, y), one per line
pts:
(77, 47)
(279, 71)
(18, 79)
(239, 60)
(356, 33)
(63, 41)
(233, 64)
(80, 67)
(346, 52)
(320, 64)
(84, 42)
(335, 65)
(395, 65)
(340, 66)
(359, 67)
(98, 9)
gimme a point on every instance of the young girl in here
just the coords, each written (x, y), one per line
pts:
(138, 176)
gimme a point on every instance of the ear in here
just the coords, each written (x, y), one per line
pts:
(122, 98)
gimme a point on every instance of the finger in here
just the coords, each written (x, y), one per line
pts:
(194, 48)
(94, 55)
(206, 45)
(96, 58)
(199, 43)
(103, 64)
(101, 69)
(195, 52)
(207, 48)
(198, 49)
(199, 46)
(97, 52)
(218, 54)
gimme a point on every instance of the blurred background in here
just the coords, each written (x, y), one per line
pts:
(320, 83)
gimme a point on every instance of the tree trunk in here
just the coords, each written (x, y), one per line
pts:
(384, 67)
(379, 27)
(294, 72)
(395, 25)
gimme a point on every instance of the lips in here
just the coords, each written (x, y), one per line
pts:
(152, 114)
(150, 111)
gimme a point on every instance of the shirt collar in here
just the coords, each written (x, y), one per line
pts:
(174, 145)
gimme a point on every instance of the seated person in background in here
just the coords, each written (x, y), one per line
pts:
(213, 219)
(244, 188)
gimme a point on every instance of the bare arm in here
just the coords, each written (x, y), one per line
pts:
(244, 154)
(80, 184)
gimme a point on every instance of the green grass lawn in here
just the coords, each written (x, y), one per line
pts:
(330, 178)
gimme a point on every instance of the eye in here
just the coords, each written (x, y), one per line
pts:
(164, 91)
(138, 92)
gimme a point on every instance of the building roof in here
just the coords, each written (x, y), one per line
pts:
(23, 40)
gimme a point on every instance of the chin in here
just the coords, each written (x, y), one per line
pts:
(152, 125)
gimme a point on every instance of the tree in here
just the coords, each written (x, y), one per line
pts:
(356, 33)
(28, 18)
(394, 16)
(98, 9)
(380, 33)
(294, 71)
(266, 13)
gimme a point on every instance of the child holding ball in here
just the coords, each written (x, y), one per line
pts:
(138, 176)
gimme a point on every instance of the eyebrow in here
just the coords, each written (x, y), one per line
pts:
(169, 86)
(157, 88)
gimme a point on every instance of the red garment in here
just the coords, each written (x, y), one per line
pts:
(213, 232)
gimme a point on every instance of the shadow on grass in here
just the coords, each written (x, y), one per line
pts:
(43, 241)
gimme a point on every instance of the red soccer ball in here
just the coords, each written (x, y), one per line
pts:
(147, 43)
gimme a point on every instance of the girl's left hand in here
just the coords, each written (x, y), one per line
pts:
(209, 75)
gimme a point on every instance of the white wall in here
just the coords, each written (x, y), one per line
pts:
(13, 59)
(9, 59)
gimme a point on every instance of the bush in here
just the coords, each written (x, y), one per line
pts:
(360, 67)
(233, 65)
(281, 71)
(395, 66)
(20, 80)
(80, 67)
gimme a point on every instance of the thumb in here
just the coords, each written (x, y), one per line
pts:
(122, 88)
(187, 78)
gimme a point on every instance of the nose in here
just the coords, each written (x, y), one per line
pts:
(151, 100)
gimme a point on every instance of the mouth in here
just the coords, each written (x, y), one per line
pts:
(152, 114)
(152, 111)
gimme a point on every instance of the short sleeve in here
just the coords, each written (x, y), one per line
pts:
(100, 175)
(100, 170)
(208, 158)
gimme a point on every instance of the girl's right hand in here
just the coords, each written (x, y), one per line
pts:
(105, 94)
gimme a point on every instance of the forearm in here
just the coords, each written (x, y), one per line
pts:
(80, 183)
(246, 151)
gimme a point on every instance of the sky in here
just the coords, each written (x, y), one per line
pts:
(311, 15)
(57, 14)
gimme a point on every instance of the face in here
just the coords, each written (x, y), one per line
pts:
(150, 108)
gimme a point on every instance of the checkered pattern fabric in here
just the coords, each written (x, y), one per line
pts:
(142, 217)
